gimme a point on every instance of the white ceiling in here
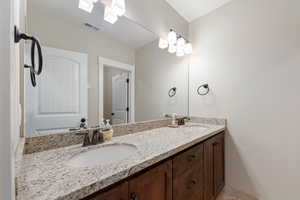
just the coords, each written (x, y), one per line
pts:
(193, 9)
(124, 30)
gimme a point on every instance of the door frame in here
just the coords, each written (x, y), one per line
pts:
(119, 65)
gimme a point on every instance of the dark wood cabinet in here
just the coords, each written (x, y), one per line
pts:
(153, 184)
(119, 192)
(188, 174)
(195, 174)
(214, 166)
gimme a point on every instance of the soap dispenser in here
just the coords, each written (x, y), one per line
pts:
(107, 131)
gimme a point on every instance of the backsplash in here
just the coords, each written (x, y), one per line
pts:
(53, 141)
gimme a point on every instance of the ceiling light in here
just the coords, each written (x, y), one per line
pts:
(163, 43)
(109, 15)
(118, 7)
(172, 48)
(188, 48)
(87, 5)
(172, 37)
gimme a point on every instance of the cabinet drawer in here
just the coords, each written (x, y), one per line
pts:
(189, 186)
(188, 160)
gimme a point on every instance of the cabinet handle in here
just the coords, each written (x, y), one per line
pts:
(191, 184)
(191, 158)
(134, 197)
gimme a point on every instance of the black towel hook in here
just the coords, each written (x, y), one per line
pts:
(34, 43)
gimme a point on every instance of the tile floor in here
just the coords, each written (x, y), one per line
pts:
(224, 196)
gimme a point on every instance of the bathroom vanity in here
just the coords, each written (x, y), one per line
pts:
(194, 174)
(165, 163)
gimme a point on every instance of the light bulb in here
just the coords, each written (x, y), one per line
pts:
(172, 48)
(87, 5)
(188, 48)
(180, 51)
(118, 7)
(172, 37)
(181, 42)
(107, 2)
(163, 43)
(109, 15)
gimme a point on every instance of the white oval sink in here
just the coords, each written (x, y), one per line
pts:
(198, 126)
(103, 155)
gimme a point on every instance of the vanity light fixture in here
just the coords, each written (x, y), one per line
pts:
(176, 43)
(87, 5)
(113, 10)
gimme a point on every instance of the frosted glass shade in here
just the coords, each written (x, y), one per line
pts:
(172, 48)
(172, 38)
(109, 15)
(188, 48)
(87, 5)
(118, 7)
(163, 43)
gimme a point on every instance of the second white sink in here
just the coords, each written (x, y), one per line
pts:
(103, 155)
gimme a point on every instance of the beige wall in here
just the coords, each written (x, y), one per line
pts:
(11, 13)
(56, 33)
(157, 71)
(249, 53)
(5, 144)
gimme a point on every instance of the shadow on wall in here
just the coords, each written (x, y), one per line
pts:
(232, 154)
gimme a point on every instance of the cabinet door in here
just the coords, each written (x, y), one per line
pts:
(188, 174)
(155, 184)
(119, 192)
(214, 167)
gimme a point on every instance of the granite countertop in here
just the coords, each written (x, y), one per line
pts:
(45, 175)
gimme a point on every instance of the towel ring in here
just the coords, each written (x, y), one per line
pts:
(34, 44)
(172, 92)
(206, 87)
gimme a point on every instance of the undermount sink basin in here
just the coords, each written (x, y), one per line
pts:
(200, 126)
(103, 155)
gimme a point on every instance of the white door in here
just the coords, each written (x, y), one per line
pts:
(59, 100)
(120, 99)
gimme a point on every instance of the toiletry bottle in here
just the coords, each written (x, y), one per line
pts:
(107, 131)
(174, 119)
(83, 123)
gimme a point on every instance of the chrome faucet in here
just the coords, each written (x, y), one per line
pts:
(92, 136)
(180, 120)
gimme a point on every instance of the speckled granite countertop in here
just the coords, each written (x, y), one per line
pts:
(45, 175)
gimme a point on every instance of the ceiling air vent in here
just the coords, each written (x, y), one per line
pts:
(95, 28)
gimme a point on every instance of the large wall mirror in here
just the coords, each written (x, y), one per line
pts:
(97, 70)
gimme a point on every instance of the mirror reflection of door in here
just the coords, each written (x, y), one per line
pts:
(59, 100)
(116, 95)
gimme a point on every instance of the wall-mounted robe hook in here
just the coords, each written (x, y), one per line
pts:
(205, 87)
(172, 92)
